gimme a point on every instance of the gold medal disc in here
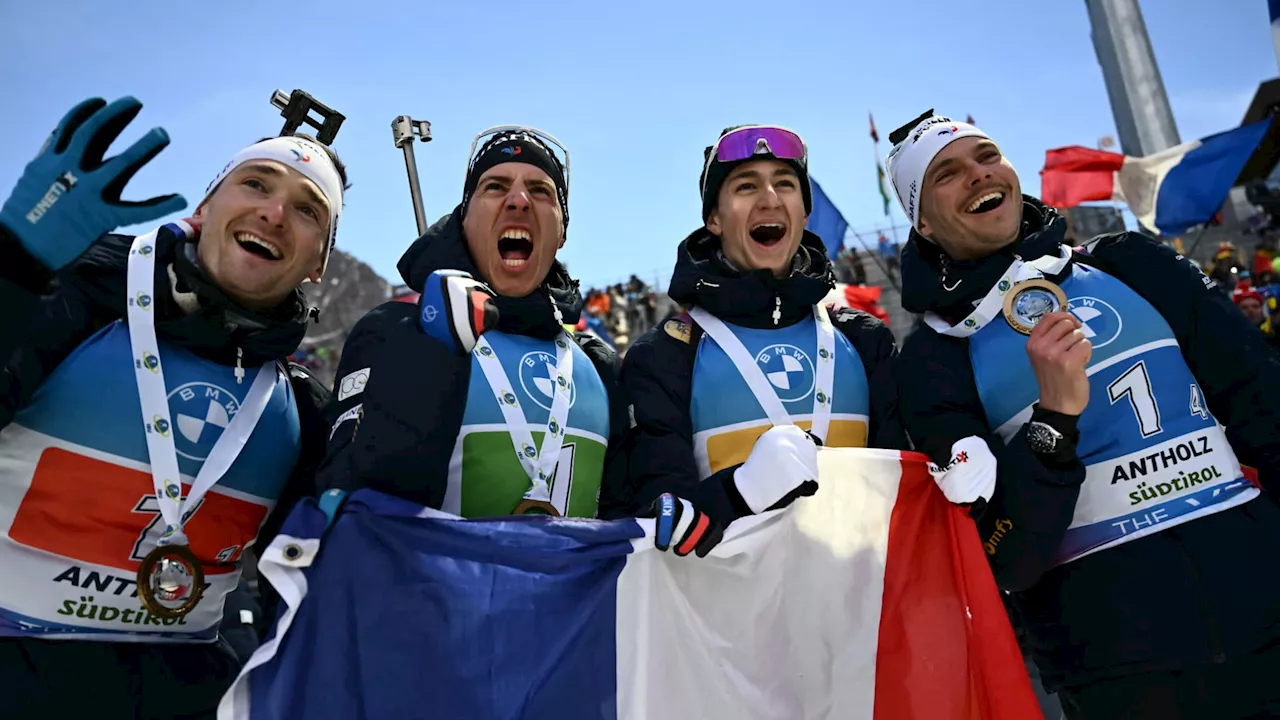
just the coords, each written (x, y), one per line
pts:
(170, 581)
(1031, 300)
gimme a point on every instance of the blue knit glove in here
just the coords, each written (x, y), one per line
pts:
(456, 309)
(69, 195)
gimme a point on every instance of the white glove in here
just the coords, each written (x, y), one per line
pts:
(970, 475)
(782, 466)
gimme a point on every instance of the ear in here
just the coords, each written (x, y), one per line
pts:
(317, 274)
(922, 227)
(713, 223)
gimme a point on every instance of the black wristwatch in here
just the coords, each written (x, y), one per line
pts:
(1052, 433)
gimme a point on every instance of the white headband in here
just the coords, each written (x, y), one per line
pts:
(909, 159)
(308, 158)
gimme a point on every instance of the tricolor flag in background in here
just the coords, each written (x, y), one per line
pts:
(1169, 191)
(826, 221)
(870, 600)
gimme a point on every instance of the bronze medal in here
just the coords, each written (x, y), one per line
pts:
(170, 581)
(1031, 300)
(535, 507)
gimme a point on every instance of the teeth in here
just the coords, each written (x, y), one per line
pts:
(244, 237)
(769, 225)
(513, 262)
(517, 234)
(984, 198)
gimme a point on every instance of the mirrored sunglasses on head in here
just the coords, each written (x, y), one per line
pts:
(747, 142)
(502, 133)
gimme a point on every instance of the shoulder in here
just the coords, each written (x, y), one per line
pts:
(384, 317)
(867, 333)
(596, 350)
(679, 327)
(307, 388)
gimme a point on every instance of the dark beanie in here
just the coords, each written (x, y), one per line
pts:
(504, 149)
(714, 174)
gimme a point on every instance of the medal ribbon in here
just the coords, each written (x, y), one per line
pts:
(539, 463)
(824, 370)
(992, 304)
(149, 372)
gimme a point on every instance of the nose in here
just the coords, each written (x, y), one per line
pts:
(769, 199)
(977, 172)
(518, 198)
(272, 210)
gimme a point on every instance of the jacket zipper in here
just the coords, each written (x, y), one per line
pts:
(239, 366)
(777, 309)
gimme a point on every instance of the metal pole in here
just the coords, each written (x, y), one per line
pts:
(403, 131)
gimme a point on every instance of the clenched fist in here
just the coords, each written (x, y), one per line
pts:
(1059, 354)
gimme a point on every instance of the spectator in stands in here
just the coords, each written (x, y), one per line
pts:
(1253, 305)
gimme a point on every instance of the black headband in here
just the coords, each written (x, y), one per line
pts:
(519, 149)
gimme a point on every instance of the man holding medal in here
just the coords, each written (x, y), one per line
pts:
(1076, 399)
(151, 428)
(476, 401)
(732, 398)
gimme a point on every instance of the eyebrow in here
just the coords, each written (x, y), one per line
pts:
(530, 182)
(273, 171)
(754, 173)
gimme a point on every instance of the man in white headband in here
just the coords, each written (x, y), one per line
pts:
(151, 429)
(1077, 401)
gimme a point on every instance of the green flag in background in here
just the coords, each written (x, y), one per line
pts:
(884, 195)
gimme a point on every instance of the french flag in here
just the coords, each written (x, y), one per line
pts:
(1169, 191)
(871, 600)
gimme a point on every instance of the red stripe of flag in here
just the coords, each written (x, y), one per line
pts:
(946, 648)
(1077, 174)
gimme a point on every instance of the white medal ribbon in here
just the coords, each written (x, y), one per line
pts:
(159, 427)
(824, 372)
(992, 306)
(539, 463)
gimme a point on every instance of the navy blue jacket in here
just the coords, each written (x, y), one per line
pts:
(657, 374)
(1200, 592)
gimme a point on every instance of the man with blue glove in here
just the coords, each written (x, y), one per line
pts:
(732, 398)
(477, 402)
(150, 429)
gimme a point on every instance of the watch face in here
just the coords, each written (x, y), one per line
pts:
(1042, 437)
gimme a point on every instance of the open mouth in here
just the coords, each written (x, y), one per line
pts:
(255, 245)
(514, 247)
(986, 203)
(768, 234)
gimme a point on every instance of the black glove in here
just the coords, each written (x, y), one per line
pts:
(691, 529)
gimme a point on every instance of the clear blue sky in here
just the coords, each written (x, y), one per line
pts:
(635, 90)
